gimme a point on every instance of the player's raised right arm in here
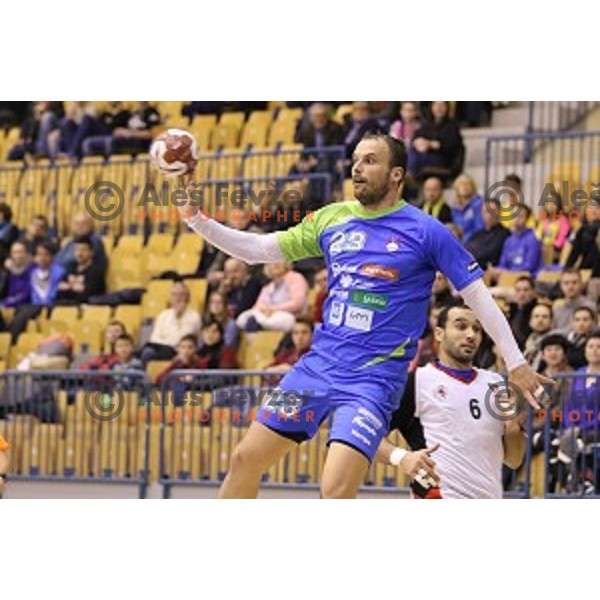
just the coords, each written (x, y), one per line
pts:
(301, 241)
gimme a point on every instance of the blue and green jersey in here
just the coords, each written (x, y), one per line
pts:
(381, 266)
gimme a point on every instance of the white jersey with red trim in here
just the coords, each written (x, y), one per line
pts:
(453, 413)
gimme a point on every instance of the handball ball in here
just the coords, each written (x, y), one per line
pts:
(174, 152)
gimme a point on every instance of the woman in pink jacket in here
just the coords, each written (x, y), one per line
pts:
(279, 302)
(553, 229)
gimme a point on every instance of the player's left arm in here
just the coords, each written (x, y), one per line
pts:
(466, 276)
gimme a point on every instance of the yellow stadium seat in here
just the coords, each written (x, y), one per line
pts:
(160, 288)
(130, 245)
(225, 135)
(130, 316)
(155, 367)
(282, 132)
(152, 305)
(67, 314)
(342, 111)
(233, 118)
(257, 349)
(53, 326)
(290, 114)
(160, 243)
(108, 241)
(155, 264)
(29, 341)
(565, 170)
(227, 166)
(261, 116)
(254, 134)
(548, 276)
(99, 314)
(189, 242)
(284, 160)
(202, 127)
(198, 290)
(5, 343)
(255, 166)
(88, 336)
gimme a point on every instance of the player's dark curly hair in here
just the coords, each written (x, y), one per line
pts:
(442, 319)
(398, 154)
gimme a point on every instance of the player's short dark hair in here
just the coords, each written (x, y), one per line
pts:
(442, 319)
(398, 154)
(526, 278)
(126, 337)
(84, 239)
(586, 309)
(554, 339)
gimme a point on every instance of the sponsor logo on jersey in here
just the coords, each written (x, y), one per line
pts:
(441, 392)
(337, 268)
(369, 416)
(380, 272)
(359, 318)
(369, 299)
(347, 281)
(347, 241)
(361, 437)
(339, 294)
(393, 244)
(336, 314)
(473, 266)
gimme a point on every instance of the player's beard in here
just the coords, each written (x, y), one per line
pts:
(373, 195)
(461, 357)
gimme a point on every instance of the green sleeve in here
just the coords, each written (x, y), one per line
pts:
(300, 241)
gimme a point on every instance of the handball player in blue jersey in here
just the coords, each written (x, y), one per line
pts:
(382, 255)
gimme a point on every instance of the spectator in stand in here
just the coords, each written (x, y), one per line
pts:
(9, 232)
(466, 211)
(320, 296)
(82, 226)
(171, 325)
(434, 203)
(279, 302)
(586, 242)
(84, 280)
(44, 278)
(520, 309)
(130, 136)
(94, 134)
(407, 125)
(112, 332)
(124, 353)
(217, 310)
(36, 130)
(239, 287)
(302, 333)
(554, 349)
(486, 245)
(583, 325)
(441, 292)
(553, 229)
(19, 267)
(213, 354)
(540, 325)
(358, 123)
(522, 251)
(319, 132)
(580, 417)
(437, 147)
(571, 286)
(136, 137)
(36, 232)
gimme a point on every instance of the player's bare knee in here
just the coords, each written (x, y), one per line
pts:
(337, 488)
(242, 460)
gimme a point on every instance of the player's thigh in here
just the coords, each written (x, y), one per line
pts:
(344, 471)
(260, 448)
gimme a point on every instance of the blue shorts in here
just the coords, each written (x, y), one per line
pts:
(361, 404)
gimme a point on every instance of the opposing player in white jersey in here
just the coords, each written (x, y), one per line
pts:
(444, 404)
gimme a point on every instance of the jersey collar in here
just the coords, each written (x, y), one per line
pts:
(359, 210)
(463, 375)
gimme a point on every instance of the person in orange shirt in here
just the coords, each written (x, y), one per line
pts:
(3, 463)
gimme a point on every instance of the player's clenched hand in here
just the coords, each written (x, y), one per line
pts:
(531, 385)
(419, 460)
